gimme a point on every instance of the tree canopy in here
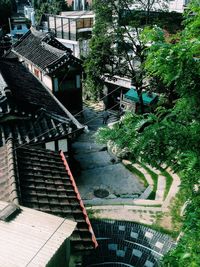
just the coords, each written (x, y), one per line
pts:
(7, 8)
(171, 135)
(49, 7)
(117, 46)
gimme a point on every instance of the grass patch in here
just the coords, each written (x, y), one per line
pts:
(139, 174)
(92, 214)
(169, 181)
(176, 206)
(154, 177)
(173, 234)
(168, 177)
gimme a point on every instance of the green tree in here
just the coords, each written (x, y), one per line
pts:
(49, 7)
(7, 8)
(172, 136)
(117, 46)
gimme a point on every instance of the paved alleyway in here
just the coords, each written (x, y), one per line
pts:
(102, 180)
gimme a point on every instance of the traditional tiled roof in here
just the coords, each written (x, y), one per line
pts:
(28, 111)
(41, 179)
(26, 90)
(8, 176)
(44, 51)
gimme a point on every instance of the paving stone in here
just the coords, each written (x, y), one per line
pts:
(160, 188)
(86, 147)
(94, 160)
(116, 178)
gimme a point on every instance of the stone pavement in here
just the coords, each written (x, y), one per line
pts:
(100, 171)
(120, 195)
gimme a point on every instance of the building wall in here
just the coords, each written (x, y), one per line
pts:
(67, 90)
(18, 30)
(79, 4)
(177, 5)
(71, 30)
(47, 81)
(62, 256)
(57, 145)
(73, 45)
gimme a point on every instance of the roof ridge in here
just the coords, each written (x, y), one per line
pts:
(12, 172)
(53, 49)
(79, 199)
(21, 39)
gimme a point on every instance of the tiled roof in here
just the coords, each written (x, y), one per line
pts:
(8, 175)
(44, 51)
(26, 90)
(43, 181)
(32, 238)
(28, 111)
(34, 128)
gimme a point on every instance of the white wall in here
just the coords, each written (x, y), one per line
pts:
(73, 45)
(50, 146)
(63, 145)
(47, 81)
(177, 5)
(173, 5)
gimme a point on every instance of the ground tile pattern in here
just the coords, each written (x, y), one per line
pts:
(129, 243)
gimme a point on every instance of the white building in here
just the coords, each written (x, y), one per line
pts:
(178, 5)
(29, 13)
(72, 28)
(170, 5)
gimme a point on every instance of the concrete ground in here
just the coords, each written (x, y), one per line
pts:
(99, 169)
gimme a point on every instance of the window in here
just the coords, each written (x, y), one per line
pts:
(62, 145)
(68, 84)
(50, 146)
(55, 84)
(19, 27)
(78, 81)
(37, 73)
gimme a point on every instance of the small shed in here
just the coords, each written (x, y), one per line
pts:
(33, 238)
(130, 100)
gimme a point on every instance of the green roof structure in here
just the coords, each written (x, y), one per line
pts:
(148, 98)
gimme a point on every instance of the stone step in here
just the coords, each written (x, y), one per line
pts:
(160, 188)
(146, 192)
(146, 202)
(145, 173)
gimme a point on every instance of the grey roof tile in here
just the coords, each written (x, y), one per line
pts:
(44, 51)
(28, 112)
(42, 182)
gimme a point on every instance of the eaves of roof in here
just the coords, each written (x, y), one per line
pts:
(41, 179)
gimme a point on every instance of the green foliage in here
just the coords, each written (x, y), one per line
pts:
(154, 177)
(117, 46)
(7, 8)
(187, 250)
(50, 7)
(172, 22)
(139, 174)
(172, 136)
(101, 54)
